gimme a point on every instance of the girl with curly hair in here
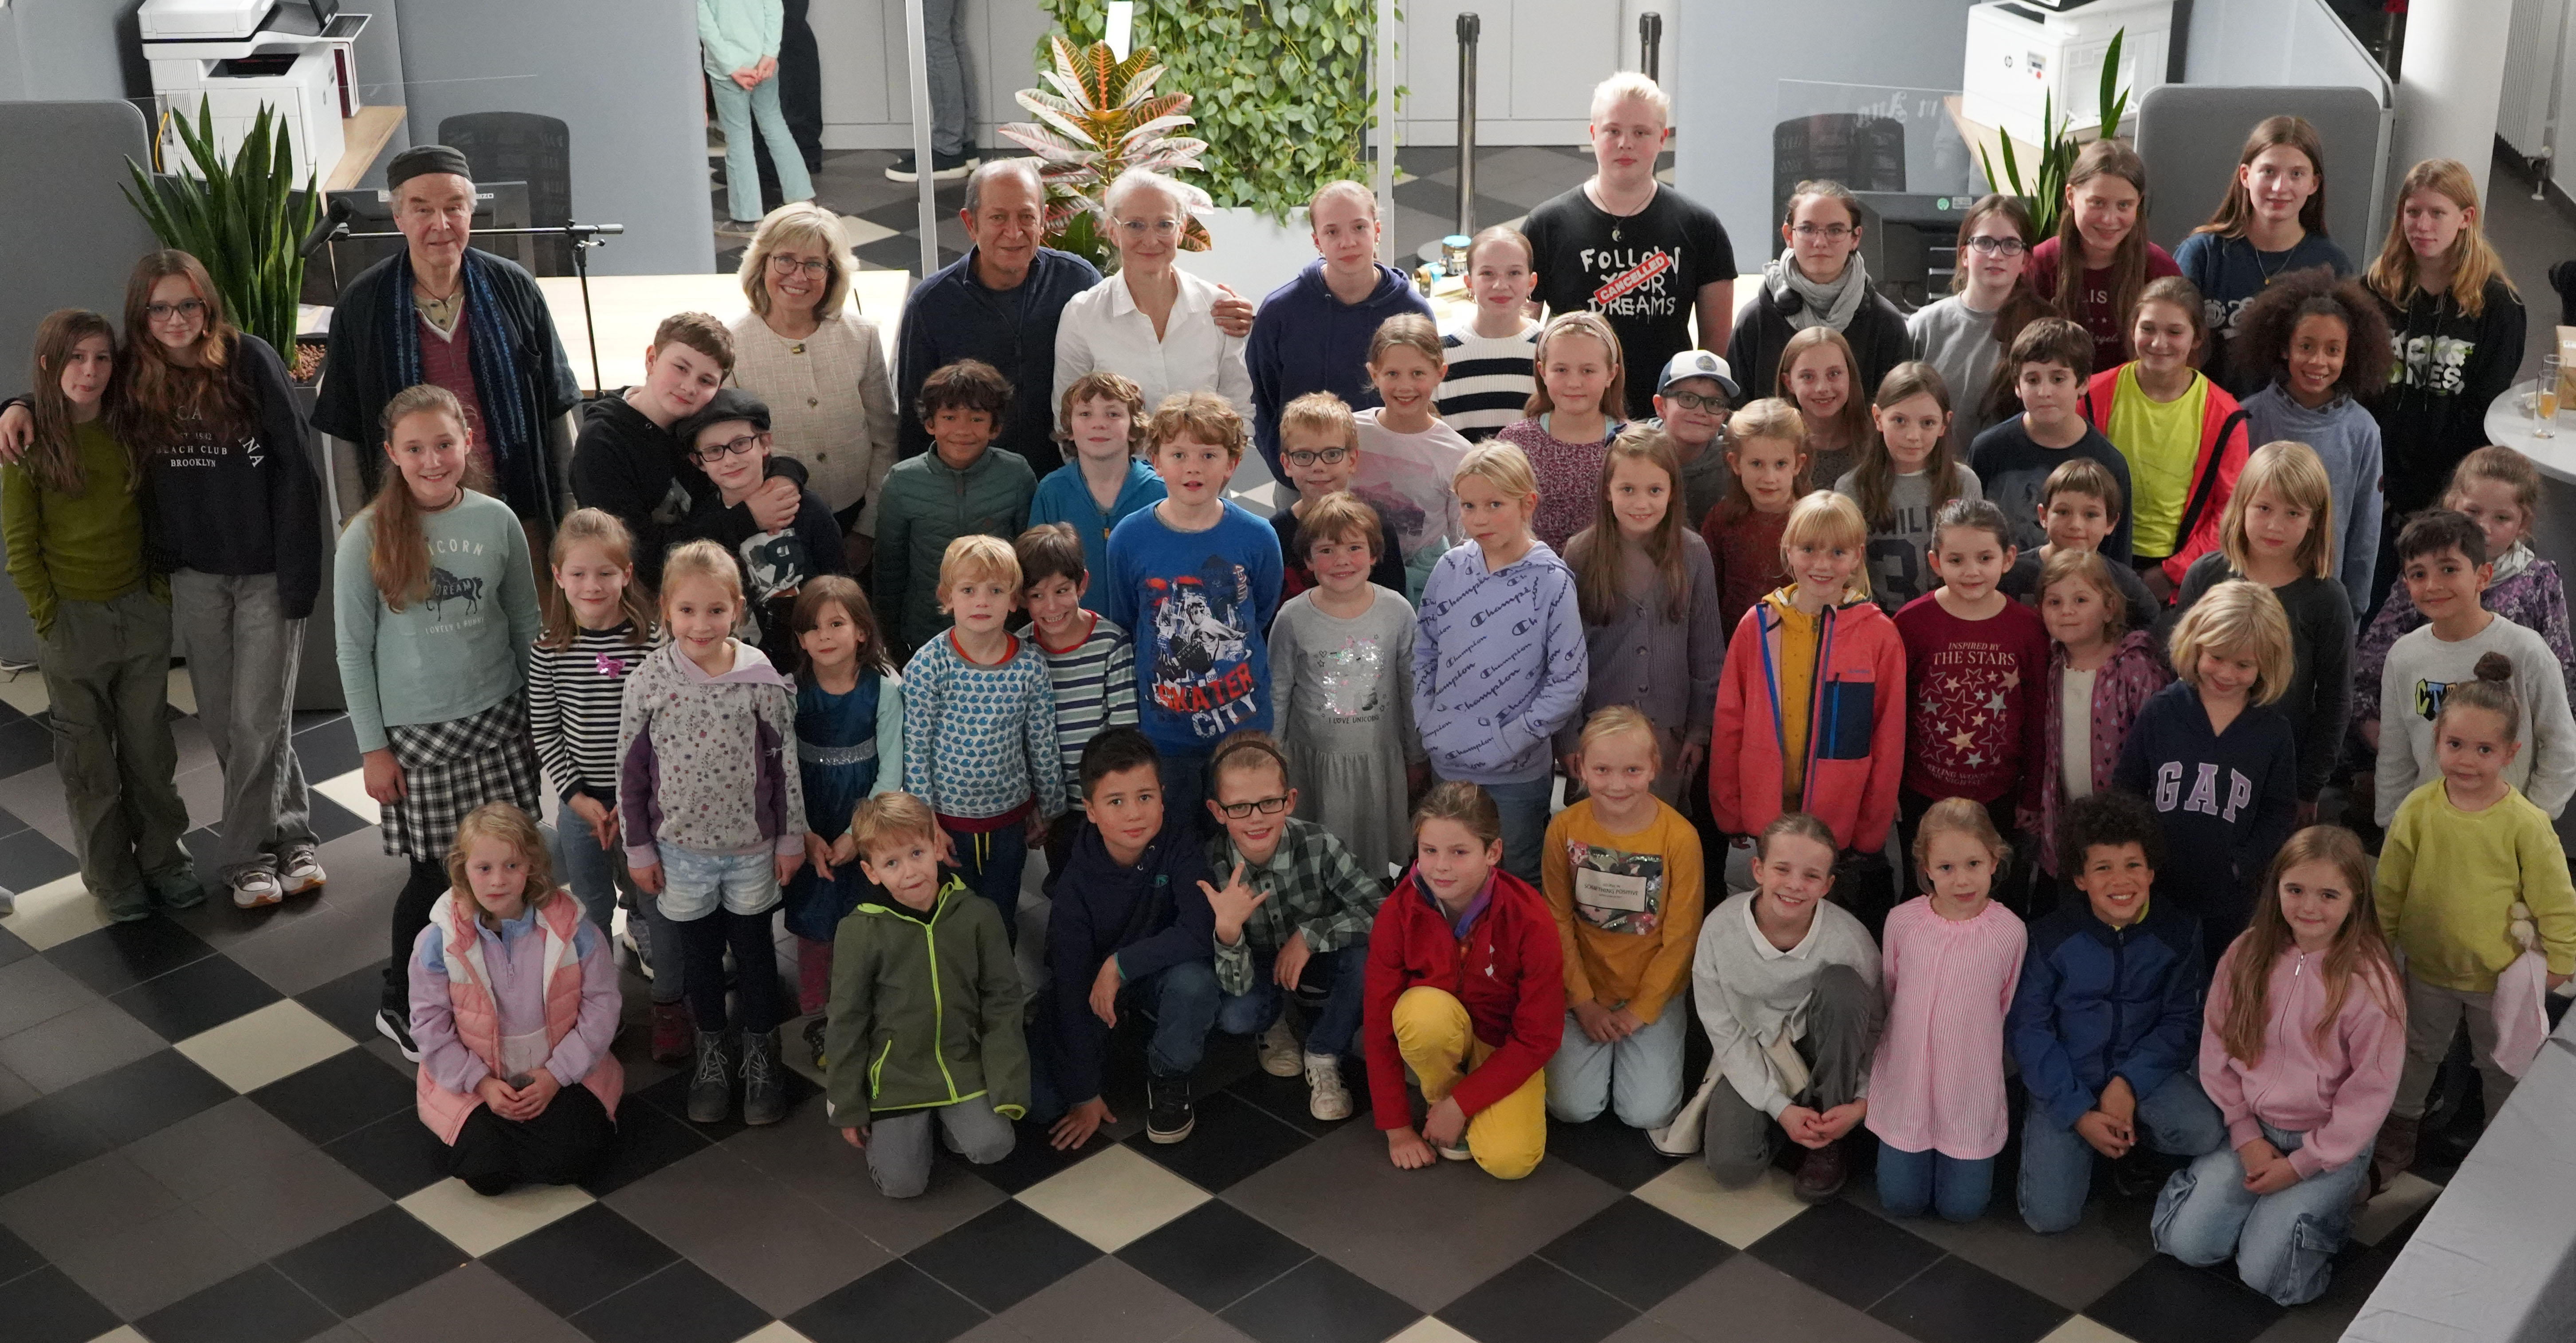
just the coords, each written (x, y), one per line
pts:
(2315, 344)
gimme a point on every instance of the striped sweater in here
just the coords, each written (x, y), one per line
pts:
(1095, 688)
(1489, 382)
(980, 741)
(573, 696)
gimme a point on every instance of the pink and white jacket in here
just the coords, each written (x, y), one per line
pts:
(539, 991)
(2336, 1095)
(2121, 687)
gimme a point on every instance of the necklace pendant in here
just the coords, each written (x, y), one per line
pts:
(1614, 233)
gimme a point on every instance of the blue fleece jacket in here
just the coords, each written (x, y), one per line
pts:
(1305, 340)
(1150, 914)
(1064, 496)
(2228, 801)
(1499, 665)
(2097, 1002)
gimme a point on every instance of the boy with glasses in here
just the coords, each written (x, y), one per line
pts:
(1693, 396)
(1320, 450)
(729, 438)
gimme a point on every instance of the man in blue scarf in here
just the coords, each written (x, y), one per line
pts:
(467, 320)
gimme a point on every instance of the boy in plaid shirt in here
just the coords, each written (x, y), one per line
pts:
(1293, 919)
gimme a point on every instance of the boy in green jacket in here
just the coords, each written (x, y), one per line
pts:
(925, 1011)
(956, 489)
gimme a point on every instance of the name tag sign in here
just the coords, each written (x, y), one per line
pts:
(1610, 890)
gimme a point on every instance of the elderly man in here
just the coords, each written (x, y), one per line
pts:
(1001, 303)
(469, 321)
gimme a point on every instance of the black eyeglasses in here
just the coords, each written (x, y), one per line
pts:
(1829, 232)
(1714, 405)
(731, 448)
(1268, 806)
(1993, 246)
(186, 307)
(1328, 456)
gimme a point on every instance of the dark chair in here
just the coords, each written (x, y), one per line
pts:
(523, 147)
(2562, 277)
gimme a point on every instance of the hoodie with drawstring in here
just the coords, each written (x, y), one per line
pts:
(1810, 717)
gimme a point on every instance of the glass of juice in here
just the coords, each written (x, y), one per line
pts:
(2544, 400)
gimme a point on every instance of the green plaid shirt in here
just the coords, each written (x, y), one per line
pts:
(1315, 886)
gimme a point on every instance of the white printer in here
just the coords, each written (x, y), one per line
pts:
(239, 55)
(2020, 51)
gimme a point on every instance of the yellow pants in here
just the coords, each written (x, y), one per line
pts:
(1434, 1035)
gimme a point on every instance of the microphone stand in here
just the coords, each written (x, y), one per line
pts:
(582, 238)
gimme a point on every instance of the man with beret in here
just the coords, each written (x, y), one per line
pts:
(469, 321)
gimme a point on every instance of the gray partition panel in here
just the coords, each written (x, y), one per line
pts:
(2190, 135)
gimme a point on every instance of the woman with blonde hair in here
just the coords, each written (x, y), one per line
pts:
(820, 365)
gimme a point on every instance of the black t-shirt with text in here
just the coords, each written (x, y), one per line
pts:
(1643, 272)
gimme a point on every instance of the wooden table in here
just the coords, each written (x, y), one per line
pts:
(628, 307)
(363, 137)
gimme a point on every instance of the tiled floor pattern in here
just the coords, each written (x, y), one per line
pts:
(202, 1141)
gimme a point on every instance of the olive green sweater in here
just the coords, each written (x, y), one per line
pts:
(85, 547)
(924, 1012)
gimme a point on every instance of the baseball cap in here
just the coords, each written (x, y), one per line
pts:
(1698, 364)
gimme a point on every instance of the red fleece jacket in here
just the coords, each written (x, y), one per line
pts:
(1509, 970)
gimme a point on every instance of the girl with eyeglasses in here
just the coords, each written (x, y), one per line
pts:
(2273, 222)
(1964, 335)
(1818, 280)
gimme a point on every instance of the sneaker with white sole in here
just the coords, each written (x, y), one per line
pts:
(395, 1027)
(1279, 1052)
(1327, 1098)
(1457, 1153)
(299, 870)
(255, 888)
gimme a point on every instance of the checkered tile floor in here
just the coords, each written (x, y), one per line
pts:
(202, 1141)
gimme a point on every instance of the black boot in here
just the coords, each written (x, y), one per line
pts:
(711, 1087)
(764, 1079)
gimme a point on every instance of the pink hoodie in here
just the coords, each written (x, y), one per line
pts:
(2337, 1096)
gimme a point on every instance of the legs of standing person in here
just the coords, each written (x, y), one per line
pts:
(1438, 1041)
(1184, 777)
(794, 184)
(1059, 848)
(412, 905)
(944, 30)
(242, 655)
(1524, 812)
(588, 869)
(992, 862)
(106, 667)
(493, 1155)
(692, 902)
(742, 169)
(1910, 807)
(2284, 1243)
(2433, 1015)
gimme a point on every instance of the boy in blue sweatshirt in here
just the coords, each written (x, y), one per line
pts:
(1195, 581)
(2106, 1022)
(1312, 333)
(1131, 930)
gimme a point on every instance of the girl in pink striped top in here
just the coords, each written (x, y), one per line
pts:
(1953, 958)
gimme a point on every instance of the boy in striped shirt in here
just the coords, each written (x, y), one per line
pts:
(1089, 658)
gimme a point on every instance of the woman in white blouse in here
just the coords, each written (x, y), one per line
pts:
(1151, 322)
(818, 363)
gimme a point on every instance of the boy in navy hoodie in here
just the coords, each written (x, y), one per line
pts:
(1312, 333)
(2106, 1021)
(1131, 930)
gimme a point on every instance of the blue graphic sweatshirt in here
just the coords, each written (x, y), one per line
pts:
(1199, 604)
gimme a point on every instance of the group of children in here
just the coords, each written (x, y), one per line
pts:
(2107, 641)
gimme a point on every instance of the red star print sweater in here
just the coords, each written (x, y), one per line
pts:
(1973, 722)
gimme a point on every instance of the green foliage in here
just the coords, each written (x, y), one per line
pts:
(2045, 192)
(1103, 119)
(1282, 88)
(242, 220)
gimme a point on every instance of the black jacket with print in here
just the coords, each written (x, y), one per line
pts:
(2450, 368)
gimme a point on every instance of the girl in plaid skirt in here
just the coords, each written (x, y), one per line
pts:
(436, 606)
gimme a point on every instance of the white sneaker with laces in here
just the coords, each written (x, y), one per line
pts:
(255, 888)
(299, 870)
(1327, 1098)
(1279, 1052)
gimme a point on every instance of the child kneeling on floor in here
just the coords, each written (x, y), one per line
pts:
(513, 1004)
(1466, 988)
(925, 1012)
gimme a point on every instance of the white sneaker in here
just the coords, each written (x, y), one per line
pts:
(1457, 1153)
(255, 888)
(300, 871)
(1326, 1098)
(1279, 1052)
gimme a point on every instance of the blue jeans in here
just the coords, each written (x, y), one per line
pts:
(992, 861)
(1911, 1182)
(2057, 1164)
(736, 109)
(1524, 808)
(1337, 974)
(1639, 1078)
(1182, 999)
(2284, 1243)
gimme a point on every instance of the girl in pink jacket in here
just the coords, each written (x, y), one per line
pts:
(2300, 1047)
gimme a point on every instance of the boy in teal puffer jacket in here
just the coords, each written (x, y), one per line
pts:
(925, 1012)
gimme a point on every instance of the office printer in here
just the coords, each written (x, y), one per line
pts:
(239, 55)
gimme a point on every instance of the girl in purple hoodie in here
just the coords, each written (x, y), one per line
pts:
(2100, 674)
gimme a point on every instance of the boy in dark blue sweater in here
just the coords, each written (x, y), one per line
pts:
(1131, 929)
(2106, 1022)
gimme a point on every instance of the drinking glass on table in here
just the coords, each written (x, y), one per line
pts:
(2544, 400)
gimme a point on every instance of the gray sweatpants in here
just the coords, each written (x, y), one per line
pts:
(107, 672)
(1842, 1035)
(899, 1144)
(242, 654)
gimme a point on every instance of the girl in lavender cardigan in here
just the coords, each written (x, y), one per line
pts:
(2090, 654)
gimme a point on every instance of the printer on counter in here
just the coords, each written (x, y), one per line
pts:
(239, 55)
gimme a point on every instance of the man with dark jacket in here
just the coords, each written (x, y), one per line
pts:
(1312, 334)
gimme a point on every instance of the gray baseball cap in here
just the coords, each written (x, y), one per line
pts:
(1698, 364)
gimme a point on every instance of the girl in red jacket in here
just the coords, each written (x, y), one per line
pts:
(1466, 985)
(2184, 435)
(1811, 706)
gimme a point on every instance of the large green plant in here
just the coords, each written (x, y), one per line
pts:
(2045, 192)
(1103, 119)
(1282, 87)
(242, 220)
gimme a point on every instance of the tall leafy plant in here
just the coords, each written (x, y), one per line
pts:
(2045, 192)
(242, 219)
(1283, 88)
(1103, 119)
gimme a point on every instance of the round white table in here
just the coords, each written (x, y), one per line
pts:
(2509, 425)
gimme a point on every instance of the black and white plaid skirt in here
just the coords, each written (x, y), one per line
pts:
(451, 768)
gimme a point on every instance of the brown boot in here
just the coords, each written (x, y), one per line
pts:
(1821, 1175)
(2393, 1152)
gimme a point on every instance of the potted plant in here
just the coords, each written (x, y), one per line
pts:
(1103, 119)
(243, 220)
(2045, 193)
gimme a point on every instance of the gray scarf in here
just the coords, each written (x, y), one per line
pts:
(1829, 304)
